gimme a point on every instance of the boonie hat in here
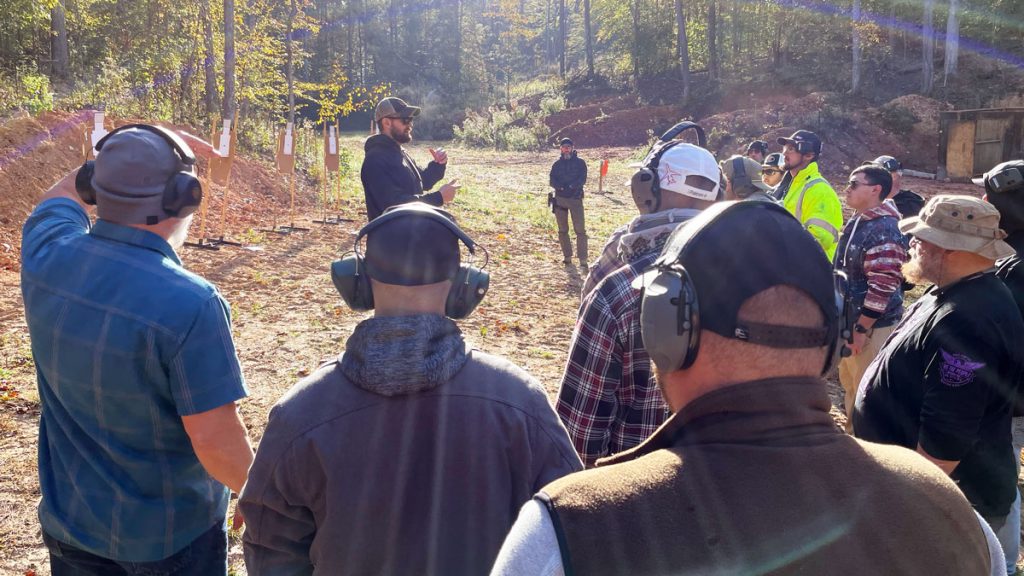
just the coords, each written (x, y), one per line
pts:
(749, 181)
(394, 107)
(412, 250)
(960, 223)
(131, 173)
(725, 253)
(803, 136)
(683, 160)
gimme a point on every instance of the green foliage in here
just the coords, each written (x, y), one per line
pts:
(502, 129)
(552, 103)
(898, 119)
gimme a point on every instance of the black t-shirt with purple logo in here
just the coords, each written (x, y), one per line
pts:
(945, 379)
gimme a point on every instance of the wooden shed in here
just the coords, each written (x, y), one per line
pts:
(973, 141)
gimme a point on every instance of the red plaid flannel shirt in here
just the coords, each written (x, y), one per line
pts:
(608, 399)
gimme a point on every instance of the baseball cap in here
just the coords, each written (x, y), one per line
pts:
(412, 250)
(683, 160)
(803, 136)
(744, 174)
(760, 145)
(726, 252)
(1005, 177)
(962, 223)
(394, 107)
(888, 162)
(565, 142)
(773, 160)
(130, 175)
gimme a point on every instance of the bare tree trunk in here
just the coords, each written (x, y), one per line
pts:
(458, 46)
(290, 62)
(683, 46)
(58, 44)
(713, 39)
(210, 61)
(228, 105)
(589, 38)
(855, 80)
(635, 8)
(928, 47)
(952, 39)
(561, 38)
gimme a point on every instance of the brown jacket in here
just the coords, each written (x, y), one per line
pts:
(756, 479)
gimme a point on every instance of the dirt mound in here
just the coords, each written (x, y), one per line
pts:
(632, 127)
(35, 152)
(581, 114)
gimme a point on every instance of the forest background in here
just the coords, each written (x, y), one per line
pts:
(488, 71)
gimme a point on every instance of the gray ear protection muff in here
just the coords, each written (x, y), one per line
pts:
(670, 321)
(183, 192)
(469, 285)
(645, 184)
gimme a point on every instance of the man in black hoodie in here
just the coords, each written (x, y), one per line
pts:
(389, 174)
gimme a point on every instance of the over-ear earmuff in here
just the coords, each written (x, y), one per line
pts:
(645, 184)
(183, 192)
(469, 285)
(671, 314)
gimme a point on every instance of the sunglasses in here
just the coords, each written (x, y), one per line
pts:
(403, 120)
(854, 183)
(770, 171)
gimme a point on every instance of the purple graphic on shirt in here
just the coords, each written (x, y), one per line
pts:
(957, 369)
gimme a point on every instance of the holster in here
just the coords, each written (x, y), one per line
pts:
(551, 202)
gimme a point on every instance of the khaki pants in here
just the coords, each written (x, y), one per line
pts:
(564, 207)
(852, 368)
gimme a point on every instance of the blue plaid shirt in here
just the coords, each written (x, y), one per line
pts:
(126, 342)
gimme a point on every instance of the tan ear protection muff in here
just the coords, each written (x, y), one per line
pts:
(645, 185)
(469, 285)
(671, 317)
(183, 192)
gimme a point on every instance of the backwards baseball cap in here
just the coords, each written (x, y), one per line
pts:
(412, 250)
(394, 107)
(759, 145)
(1005, 177)
(726, 255)
(888, 162)
(962, 223)
(1004, 189)
(131, 174)
(804, 141)
(684, 160)
(744, 175)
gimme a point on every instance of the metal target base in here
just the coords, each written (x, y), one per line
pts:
(212, 243)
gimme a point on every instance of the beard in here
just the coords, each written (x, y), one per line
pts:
(399, 134)
(919, 270)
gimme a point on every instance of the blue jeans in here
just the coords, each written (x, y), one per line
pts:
(1009, 536)
(206, 555)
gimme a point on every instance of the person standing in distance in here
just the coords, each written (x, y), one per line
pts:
(389, 175)
(568, 175)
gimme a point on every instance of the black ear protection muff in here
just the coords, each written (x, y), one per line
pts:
(469, 285)
(646, 184)
(670, 319)
(183, 192)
